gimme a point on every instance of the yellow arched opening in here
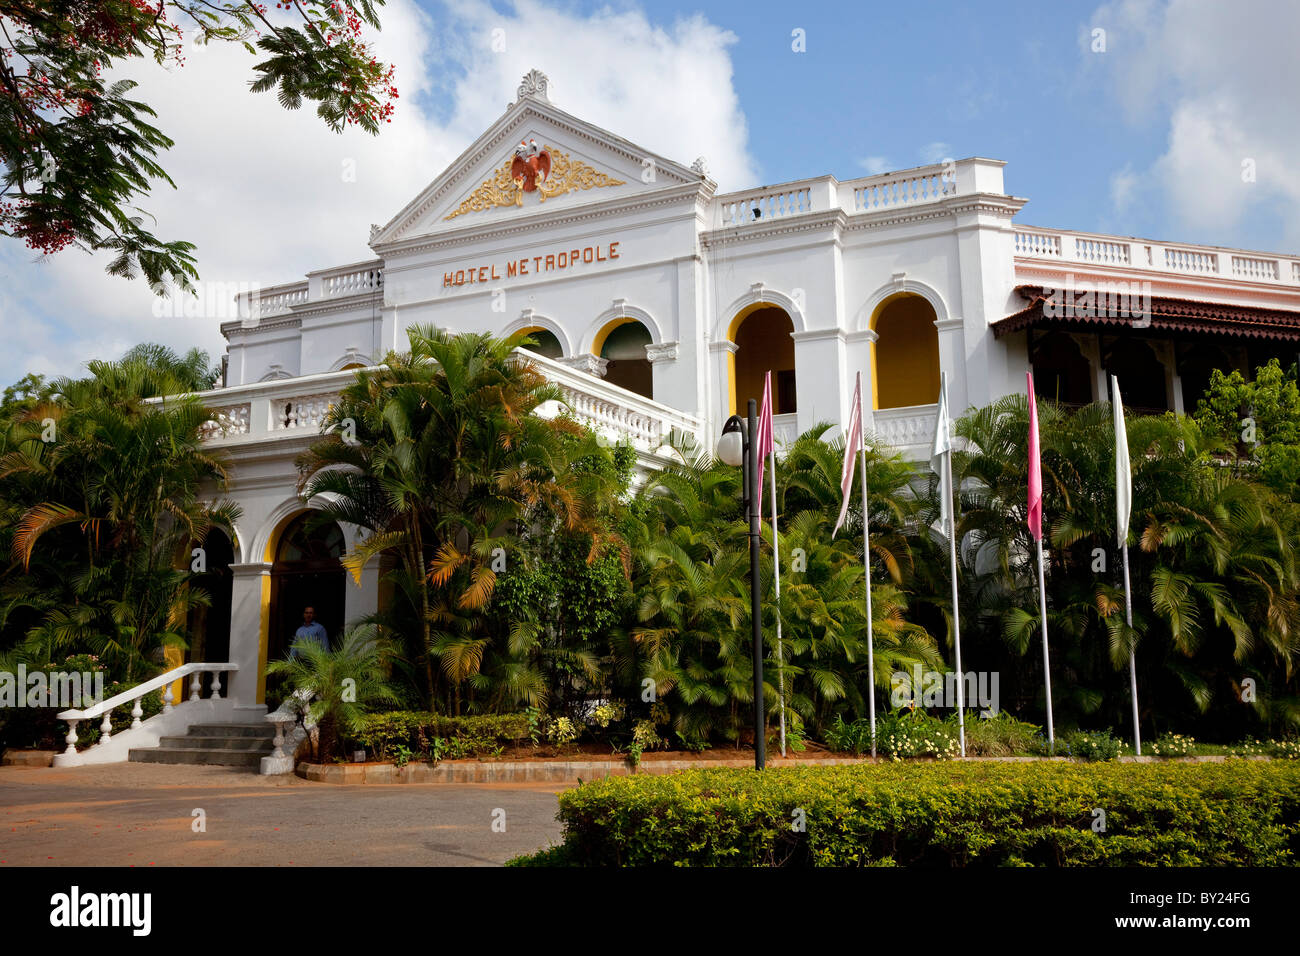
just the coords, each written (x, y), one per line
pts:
(905, 356)
(762, 336)
(351, 366)
(622, 344)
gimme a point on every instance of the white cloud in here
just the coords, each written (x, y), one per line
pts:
(263, 192)
(935, 153)
(875, 165)
(1222, 78)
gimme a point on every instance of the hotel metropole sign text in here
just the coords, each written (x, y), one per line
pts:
(532, 265)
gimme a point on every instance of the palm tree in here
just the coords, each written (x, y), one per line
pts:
(116, 496)
(335, 687)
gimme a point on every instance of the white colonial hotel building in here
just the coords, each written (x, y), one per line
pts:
(659, 304)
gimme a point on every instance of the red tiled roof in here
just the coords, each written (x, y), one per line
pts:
(1166, 315)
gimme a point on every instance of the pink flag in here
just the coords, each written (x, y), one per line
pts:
(852, 442)
(1035, 468)
(765, 440)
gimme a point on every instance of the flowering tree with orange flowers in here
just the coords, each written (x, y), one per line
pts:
(77, 151)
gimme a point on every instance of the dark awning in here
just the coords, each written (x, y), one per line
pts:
(1187, 316)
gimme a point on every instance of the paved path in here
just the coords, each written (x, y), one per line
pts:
(141, 815)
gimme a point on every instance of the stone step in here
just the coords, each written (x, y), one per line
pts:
(263, 730)
(207, 742)
(199, 755)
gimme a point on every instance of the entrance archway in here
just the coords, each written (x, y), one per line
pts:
(208, 627)
(622, 344)
(307, 572)
(763, 343)
(905, 357)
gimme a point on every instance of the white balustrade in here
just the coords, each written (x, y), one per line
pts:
(1104, 251)
(1038, 244)
(226, 421)
(767, 205)
(301, 411)
(899, 189)
(133, 697)
(905, 429)
(1246, 267)
(1197, 261)
(277, 301)
(350, 283)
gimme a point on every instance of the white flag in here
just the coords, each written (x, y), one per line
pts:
(942, 446)
(1123, 471)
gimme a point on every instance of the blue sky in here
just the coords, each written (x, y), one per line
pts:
(1147, 137)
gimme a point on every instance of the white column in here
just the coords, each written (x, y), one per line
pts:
(953, 360)
(249, 608)
(721, 353)
(824, 388)
(668, 385)
(857, 358)
(1090, 346)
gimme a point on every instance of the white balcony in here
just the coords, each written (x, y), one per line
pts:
(886, 192)
(296, 407)
(1034, 245)
(909, 430)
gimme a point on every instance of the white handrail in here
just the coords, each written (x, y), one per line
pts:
(139, 690)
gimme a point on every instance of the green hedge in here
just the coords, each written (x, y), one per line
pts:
(1236, 813)
(437, 736)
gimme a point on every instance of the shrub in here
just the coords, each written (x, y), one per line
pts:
(1173, 745)
(899, 734)
(437, 736)
(947, 814)
(1002, 736)
(1091, 745)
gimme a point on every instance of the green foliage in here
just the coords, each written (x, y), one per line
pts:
(100, 496)
(1259, 421)
(78, 152)
(938, 815)
(1090, 745)
(336, 687)
(1003, 736)
(1172, 745)
(436, 736)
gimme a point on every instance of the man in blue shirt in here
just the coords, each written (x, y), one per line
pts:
(311, 630)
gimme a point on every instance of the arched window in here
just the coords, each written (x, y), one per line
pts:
(763, 344)
(208, 624)
(1061, 371)
(905, 369)
(546, 343)
(622, 345)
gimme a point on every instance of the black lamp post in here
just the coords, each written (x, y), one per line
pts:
(737, 447)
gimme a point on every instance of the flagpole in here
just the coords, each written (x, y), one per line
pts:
(952, 560)
(776, 579)
(1132, 657)
(1047, 664)
(866, 561)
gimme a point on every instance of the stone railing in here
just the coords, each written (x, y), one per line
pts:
(870, 194)
(907, 430)
(1033, 243)
(297, 406)
(105, 750)
(925, 184)
(355, 279)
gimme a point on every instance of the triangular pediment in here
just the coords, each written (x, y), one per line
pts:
(587, 165)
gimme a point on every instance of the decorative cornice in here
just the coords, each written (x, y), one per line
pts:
(769, 228)
(949, 325)
(586, 362)
(664, 352)
(814, 335)
(723, 346)
(497, 229)
(861, 335)
(238, 328)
